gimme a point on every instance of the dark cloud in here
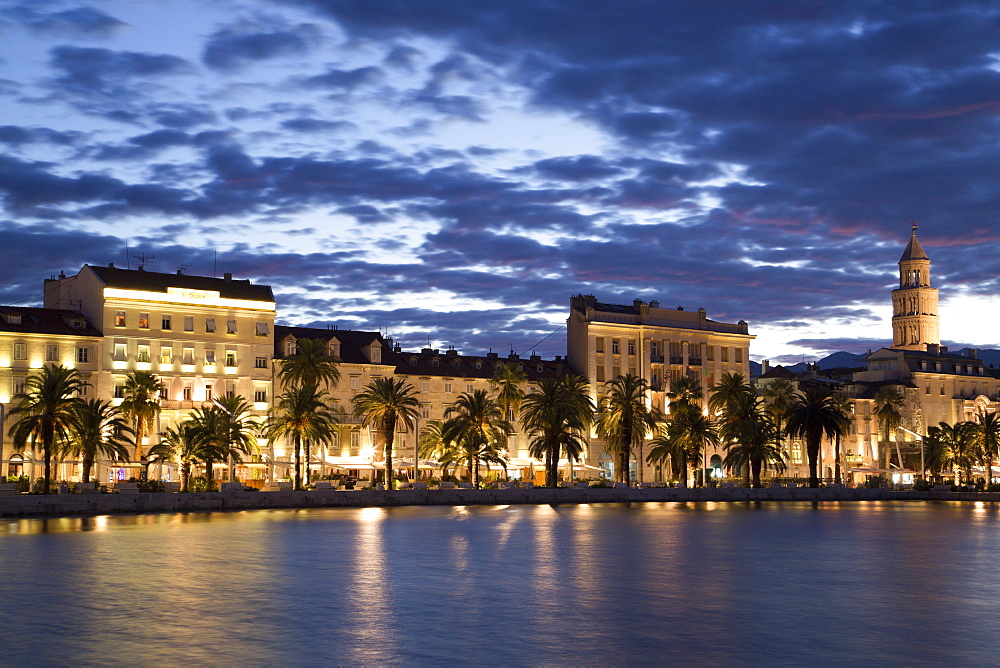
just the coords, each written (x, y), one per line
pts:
(237, 46)
(81, 21)
(342, 79)
(93, 70)
(315, 125)
(15, 135)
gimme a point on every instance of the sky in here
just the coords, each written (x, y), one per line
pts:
(452, 172)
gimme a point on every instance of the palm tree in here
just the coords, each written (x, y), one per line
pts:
(751, 437)
(239, 429)
(814, 414)
(141, 404)
(685, 392)
(210, 425)
(843, 404)
(434, 445)
(100, 429)
(780, 395)
(888, 404)
(301, 412)
(623, 420)
(385, 403)
(723, 398)
(183, 445)
(506, 385)
(557, 413)
(310, 365)
(46, 411)
(988, 442)
(937, 452)
(478, 426)
(683, 439)
(961, 439)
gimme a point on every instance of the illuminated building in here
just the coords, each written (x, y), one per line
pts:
(657, 344)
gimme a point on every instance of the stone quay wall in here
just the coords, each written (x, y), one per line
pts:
(25, 505)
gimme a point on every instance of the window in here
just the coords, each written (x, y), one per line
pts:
(18, 384)
(631, 347)
(435, 362)
(143, 354)
(231, 387)
(165, 323)
(209, 392)
(231, 326)
(262, 329)
(425, 386)
(724, 353)
(13, 319)
(334, 349)
(230, 358)
(209, 355)
(739, 354)
(355, 383)
(447, 387)
(599, 344)
(188, 356)
(479, 364)
(290, 347)
(83, 355)
(468, 388)
(600, 374)
(52, 353)
(710, 353)
(166, 355)
(425, 411)
(188, 323)
(355, 443)
(84, 391)
(210, 325)
(119, 389)
(376, 355)
(260, 394)
(164, 392)
(119, 318)
(186, 392)
(120, 352)
(20, 351)
(260, 363)
(143, 321)
(614, 347)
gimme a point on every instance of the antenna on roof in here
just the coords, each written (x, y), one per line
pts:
(215, 264)
(182, 267)
(143, 258)
(128, 262)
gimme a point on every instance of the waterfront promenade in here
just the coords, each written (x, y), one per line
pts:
(102, 504)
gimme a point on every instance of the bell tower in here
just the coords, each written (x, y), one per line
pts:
(915, 322)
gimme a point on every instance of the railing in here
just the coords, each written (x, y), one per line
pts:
(655, 358)
(677, 359)
(694, 361)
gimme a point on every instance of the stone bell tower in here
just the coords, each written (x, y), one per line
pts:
(915, 322)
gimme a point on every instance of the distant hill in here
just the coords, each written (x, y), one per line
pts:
(852, 361)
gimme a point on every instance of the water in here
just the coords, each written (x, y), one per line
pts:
(886, 582)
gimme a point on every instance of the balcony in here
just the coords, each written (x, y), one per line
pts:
(694, 361)
(656, 358)
(677, 359)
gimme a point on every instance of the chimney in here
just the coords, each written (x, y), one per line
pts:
(934, 348)
(974, 353)
(111, 265)
(227, 276)
(654, 304)
(765, 366)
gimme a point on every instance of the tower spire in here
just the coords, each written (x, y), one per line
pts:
(915, 322)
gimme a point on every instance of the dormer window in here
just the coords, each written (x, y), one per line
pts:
(13, 319)
(435, 363)
(479, 364)
(376, 355)
(290, 347)
(413, 361)
(333, 349)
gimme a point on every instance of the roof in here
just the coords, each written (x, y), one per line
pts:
(36, 320)
(152, 281)
(779, 372)
(914, 251)
(351, 341)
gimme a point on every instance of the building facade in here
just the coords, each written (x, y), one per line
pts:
(657, 344)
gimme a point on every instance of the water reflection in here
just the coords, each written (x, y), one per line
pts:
(601, 583)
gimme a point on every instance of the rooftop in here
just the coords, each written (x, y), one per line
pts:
(152, 281)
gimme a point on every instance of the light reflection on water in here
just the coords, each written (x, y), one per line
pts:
(608, 584)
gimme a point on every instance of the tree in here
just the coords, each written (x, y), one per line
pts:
(684, 438)
(961, 439)
(310, 365)
(843, 404)
(623, 420)
(937, 452)
(814, 414)
(751, 437)
(557, 413)
(99, 429)
(385, 403)
(184, 444)
(506, 384)
(731, 389)
(888, 411)
(239, 429)
(780, 395)
(434, 445)
(987, 442)
(141, 404)
(685, 392)
(477, 425)
(301, 413)
(46, 411)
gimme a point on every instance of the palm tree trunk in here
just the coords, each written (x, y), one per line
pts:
(813, 453)
(836, 457)
(638, 465)
(308, 457)
(755, 470)
(86, 465)
(138, 440)
(297, 443)
(388, 459)
(475, 472)
(185, 475)
(47, 438)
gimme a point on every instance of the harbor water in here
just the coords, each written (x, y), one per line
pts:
(653, 583)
